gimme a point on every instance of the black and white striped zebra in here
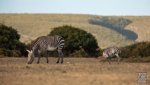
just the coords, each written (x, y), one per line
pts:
(110, 52)
(44, 44)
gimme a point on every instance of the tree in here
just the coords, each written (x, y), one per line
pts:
(140, 49)
(76, 40)
(9, 41)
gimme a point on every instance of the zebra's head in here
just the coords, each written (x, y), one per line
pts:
(105, 55)
(30, 56)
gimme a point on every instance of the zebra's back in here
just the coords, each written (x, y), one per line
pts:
(34, 42)
(49, 43)
(55, 42)
(110, 52)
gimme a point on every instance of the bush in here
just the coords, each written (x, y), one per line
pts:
(75, 39)
(141, 49)
(9, 42)
(79, 53)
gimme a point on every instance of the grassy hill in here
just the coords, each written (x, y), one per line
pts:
(141, 26)
(30, 26)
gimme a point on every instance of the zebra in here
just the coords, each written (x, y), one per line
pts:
(110, 52)
(44, 44)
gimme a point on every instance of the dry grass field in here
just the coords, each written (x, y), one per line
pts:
(74, 71)
(31, 26)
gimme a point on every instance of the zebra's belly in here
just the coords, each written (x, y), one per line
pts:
(50, 48)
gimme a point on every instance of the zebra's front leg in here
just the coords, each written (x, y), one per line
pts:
(47, 59)
(118, 58)
(46, 56)
(109, 60)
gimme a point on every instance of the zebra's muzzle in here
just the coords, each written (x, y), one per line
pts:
(30, 61)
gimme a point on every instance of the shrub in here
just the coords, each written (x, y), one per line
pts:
(141, 49)
(9, 42)
(75, 39)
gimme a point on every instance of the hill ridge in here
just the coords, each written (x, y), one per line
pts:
(27, 25)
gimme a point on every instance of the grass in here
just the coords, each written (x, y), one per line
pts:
(31, 26)
(74, 71)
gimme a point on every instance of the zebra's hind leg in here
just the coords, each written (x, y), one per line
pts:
(58, 59)
(60, 56)
(38, 61)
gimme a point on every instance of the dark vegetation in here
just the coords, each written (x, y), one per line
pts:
(9, 42)
(77, 42)
(137, 52)
(116, 24)
(141, 49)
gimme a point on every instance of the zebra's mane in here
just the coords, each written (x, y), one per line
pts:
(34, 41)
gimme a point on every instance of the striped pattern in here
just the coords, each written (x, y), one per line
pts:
(110, 52)
(47, 43)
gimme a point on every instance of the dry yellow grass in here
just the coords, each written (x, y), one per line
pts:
(74, 71)
(140, 26)
(30, 26)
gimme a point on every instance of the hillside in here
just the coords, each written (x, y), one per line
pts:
(31, 26)
(141, 26)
